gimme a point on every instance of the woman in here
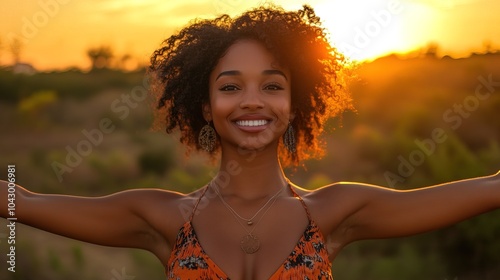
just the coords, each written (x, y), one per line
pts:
(254, 91)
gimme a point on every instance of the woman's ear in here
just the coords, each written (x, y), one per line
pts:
(207, 112)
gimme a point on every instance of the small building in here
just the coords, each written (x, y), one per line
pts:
(23, 68)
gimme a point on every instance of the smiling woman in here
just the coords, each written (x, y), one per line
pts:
(194, 52)
(256, 90)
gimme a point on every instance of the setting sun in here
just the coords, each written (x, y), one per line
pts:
(365, 30)
(56, 34)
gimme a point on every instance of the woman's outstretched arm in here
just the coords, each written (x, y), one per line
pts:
(382, 213)
(120, 220)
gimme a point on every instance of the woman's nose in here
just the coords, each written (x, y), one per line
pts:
(252, 99)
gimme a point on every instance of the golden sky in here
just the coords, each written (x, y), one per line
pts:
(57, 33)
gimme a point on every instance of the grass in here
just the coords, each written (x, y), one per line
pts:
(397, 102)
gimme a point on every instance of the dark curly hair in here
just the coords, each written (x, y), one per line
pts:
(181, 68)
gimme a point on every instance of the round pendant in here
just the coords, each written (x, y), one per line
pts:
(250, 244)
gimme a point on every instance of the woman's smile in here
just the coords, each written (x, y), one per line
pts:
(249, 96)
(252, 123)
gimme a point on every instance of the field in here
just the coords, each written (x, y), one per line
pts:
(418, 122)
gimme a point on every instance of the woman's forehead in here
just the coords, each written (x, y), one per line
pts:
(246, 56)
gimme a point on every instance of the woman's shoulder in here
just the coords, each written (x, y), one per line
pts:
(331, 204)
(160, 205)
(165, 196)
(327, 191)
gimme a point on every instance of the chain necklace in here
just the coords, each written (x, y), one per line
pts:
(249, 243)
(249, 221)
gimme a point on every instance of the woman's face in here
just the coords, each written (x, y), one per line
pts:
(250, 102)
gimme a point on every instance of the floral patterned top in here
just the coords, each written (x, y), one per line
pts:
(308, 260)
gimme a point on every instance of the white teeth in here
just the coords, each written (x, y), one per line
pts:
(251, 122)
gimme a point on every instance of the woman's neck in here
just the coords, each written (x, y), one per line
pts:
(250, 174)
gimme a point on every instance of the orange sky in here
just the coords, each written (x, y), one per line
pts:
(57, 33)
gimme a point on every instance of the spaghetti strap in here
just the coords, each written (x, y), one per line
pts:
(196, 204)
(301, 201)
(308, 259)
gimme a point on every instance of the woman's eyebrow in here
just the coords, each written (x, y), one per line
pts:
(265, 72)
(274, 72)
(228, 73)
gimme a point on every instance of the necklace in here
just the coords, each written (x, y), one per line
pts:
(249, 243)
(249, 221)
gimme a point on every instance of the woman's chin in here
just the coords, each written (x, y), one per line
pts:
(255, 147)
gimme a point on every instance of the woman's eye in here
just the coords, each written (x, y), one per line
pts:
(228, 87)
(273, 87)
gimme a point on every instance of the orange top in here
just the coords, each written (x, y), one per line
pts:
(308, 260)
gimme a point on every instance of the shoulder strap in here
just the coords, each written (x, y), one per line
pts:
(196, 204)
(301, 201)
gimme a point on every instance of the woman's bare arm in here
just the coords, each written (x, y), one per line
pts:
(382, 213)
(121, 219)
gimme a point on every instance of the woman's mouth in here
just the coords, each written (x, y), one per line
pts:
(252, 123)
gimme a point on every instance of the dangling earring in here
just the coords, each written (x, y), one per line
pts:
(289, 139)
(207, 137)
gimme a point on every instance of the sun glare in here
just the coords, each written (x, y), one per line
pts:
(364, 30)
(361, 29)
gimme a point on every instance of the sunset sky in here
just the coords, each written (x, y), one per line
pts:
(55, 34)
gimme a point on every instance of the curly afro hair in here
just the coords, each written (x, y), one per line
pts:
(181, 67)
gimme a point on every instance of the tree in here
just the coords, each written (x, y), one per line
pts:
(432, 50)
(122, 61)
(100, 57)
(16, 47)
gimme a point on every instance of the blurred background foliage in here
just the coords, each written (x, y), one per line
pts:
(399, 103)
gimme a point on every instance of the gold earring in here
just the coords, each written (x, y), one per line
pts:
(289, 139)
(207, 137)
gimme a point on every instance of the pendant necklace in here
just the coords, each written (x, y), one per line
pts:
(248, 221)
(249, 243)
